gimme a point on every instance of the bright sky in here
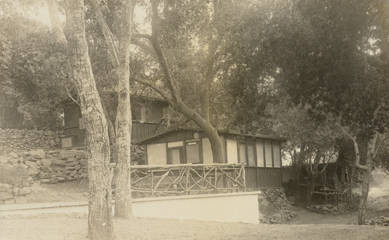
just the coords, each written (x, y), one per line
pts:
(41, 14)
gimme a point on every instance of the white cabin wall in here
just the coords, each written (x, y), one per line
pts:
(156, 154)
(175, 144)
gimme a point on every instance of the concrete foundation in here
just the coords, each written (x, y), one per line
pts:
(228, 207)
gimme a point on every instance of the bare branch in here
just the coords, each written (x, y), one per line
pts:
(71, 97)
(162, 93)
(139, 35)
(145, 47)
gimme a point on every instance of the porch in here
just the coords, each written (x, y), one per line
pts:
(187, 179)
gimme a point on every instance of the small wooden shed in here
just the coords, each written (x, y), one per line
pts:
(261, 154)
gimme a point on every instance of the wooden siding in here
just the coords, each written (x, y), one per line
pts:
(257, 178)
(141, 131)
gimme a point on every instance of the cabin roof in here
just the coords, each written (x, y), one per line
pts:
(222, 132)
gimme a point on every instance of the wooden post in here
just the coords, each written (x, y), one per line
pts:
(216, 177)
(244, 178)
(187, 180)
(152, 183)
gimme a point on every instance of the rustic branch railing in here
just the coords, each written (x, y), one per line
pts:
(181, 179)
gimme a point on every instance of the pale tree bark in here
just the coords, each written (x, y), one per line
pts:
(364, 168)
(210, 71)
(100, 225)
(365, 185)
(120, 57)
(172, 95)
(123, 117)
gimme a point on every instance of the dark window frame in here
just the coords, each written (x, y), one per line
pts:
(182, 154)
(200, 148)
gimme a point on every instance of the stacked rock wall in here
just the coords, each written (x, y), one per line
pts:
(53, 166)
(33, 156)
(28, 156)
(15, 140)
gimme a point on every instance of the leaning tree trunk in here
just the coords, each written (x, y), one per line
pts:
(217, 146)
(100, 209)
(123, 117)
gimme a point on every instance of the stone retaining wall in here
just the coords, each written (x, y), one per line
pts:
(33, 156)
(15, 140)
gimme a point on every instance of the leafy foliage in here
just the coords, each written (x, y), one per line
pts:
(34, 69)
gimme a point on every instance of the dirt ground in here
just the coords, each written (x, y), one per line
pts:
(74, 227)
(77, 192)
(63, 225)
(60, 192)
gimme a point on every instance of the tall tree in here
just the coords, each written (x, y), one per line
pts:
(100, 210)
(121, 13)
(186, 42)
(326, 55)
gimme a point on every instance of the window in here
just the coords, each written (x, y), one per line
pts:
(268, 154)
(143, 111)
(251, 155)
(232, 151)
(242, 152)
(136, 111)
(81, 123)
(193, 152)
(175, 155)
(276, 155)
(260, 157)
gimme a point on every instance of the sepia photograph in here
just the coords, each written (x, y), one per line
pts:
(194, 119)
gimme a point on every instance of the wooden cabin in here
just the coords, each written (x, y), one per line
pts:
(260, 154)
(149, 116)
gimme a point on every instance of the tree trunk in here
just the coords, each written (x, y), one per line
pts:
(217, 146)
(123, 117)
(311, 189)
(175, 100)
(363, 200)
(370, 155)
(100, 210)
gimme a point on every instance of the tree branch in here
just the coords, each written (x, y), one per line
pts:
(107, 33)
(356, 148)
(162, 93)
(158, 51)
(139, 35)
(142, 45)
(70, 96)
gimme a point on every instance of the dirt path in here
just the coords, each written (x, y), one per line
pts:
(74, 227)
(305, 216)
